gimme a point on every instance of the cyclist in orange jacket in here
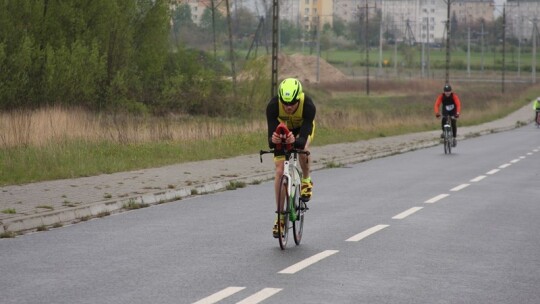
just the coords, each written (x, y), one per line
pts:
(451, 105)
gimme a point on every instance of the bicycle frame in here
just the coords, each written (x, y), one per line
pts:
(290, 170)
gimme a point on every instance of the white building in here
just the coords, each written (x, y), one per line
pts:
(521, 18)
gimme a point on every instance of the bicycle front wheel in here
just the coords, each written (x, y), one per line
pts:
(300, 208)
(447, 143)
(283, 212)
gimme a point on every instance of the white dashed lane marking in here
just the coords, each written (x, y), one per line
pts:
(493, 171)
(479, 178)
(436, 198)
(220, 295)
(366, 233)
(462, 186)
(307, 262)
(515, 160)
(406, 213)
(260, 296)
(504, 166)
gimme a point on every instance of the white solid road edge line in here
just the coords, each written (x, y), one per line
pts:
(260, 296)
(436, 198)
(366, 233)
(460, 187)
(220, 295)
(307, 262)
(406, 213)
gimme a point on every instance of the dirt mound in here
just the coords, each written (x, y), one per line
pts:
(304, 67)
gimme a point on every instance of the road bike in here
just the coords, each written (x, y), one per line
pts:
(291, 208)
(537, 122)
(448, 137)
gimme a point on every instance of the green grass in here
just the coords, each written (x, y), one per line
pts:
(9, 211)
(343, 116)
(458, 57)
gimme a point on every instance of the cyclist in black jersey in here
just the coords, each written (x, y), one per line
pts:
(297, 110)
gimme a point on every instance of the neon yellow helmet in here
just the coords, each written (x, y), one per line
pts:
(290, 91)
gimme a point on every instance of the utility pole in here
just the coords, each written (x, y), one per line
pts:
(366, 38)
(519, 44)
(380, 48)
(318, 48)
(275, 40)
(448, 42)
(367, 49)
(231, 48)
(504, 46)
(428, 59)
(469, 51)
(482, 48)
(533, 69)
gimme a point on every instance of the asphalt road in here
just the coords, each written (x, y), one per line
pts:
(418, 227)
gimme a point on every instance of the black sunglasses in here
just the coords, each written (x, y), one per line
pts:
(292, 103)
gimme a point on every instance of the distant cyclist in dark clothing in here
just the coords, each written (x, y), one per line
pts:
(451, 105)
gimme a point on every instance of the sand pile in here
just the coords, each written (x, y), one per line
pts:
(303, 67)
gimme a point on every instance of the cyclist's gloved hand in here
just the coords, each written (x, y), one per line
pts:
(290, 138)
(276, 139)
(457, 115)
(437, 115)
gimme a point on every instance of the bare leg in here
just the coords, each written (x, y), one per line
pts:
(305, 161)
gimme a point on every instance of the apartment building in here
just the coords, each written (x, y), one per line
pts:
(425, 20)
(349, 10)
(408, 20)
(316, 13)
(522, 17)
(473, 11)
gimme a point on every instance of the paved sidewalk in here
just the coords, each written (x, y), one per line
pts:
(54, 203)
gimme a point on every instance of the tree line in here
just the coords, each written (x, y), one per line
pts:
(103, 55)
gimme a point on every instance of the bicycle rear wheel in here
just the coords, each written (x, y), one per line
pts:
(283, 212)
